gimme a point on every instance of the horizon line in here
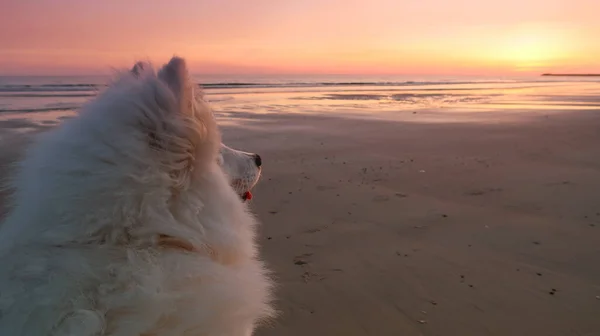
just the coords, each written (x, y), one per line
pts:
(305, 74)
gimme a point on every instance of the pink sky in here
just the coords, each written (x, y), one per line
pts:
(302, 36)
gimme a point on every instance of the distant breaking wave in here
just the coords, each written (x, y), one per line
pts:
(40, 109)
(36, 94)
(335, 84)
(50, 87)
(91, 89)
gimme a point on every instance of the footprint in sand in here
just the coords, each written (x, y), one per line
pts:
(483, 191)
(308, 276)
(302, 259)
(315, 230)
(381, 198)
(552, 184)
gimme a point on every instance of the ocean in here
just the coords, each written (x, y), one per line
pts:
(41, 101)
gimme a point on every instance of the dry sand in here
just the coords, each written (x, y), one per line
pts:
(413, 225)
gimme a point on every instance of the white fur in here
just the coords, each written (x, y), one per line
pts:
(83, 251)
(240, 167)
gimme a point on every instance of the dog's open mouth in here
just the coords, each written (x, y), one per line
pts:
(246, 196)
(243, 188)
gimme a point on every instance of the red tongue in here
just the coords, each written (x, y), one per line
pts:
(248, 195)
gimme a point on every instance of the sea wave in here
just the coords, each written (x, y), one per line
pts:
(49, 94)
(93, 88)
(39, 109)
(335, 84)
(49, 87)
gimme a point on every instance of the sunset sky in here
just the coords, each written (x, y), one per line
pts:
(508, 37)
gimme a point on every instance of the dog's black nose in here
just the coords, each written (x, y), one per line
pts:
(257, 160)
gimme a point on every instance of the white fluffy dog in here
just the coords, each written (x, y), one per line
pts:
(125, 221)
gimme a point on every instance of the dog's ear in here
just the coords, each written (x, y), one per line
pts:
(139, 68)
(176, 76)
(186, 132)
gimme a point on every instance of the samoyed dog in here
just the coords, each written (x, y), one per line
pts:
(130, 220)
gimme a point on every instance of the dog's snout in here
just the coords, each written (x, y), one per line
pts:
(257, 160)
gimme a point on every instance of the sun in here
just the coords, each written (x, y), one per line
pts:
(528, 48)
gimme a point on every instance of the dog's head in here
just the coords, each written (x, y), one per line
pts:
(242, 168)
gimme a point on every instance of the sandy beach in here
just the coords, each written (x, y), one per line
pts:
(427, 219)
